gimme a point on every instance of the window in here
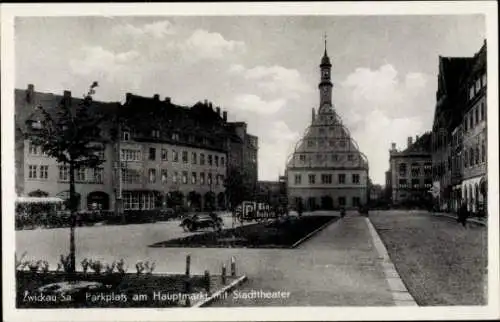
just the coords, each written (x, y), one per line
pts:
(130, 155)
(131, 176)
(482, 111)
(193, 178)
(341, 201)
(312, 179)
(174, 177)
(33, 149)
(415, 183)
(202, 159)
(135, 200)
(175, 156)
(478, 85)
(125, 136)
(427, 183)
(355, 178)
(152, 154)
(403, 184)
(483, 152)
(175, 136)
(466, 159)
(415, 170)
(334, 157)
(97, 175)
(152, 175)
(477, 155)
(341, 177)
(202, 178)
(81, 175)
(44, 172)
(209, 159)
(32, 172)
(342, 143)
(331, 142)
(185, 157)
(222, 161)
(298, 179)
(321, 131)
(63, 173)
(216, 160)
(350, 157)
(471, 92)
(465, 123)
(356, 201)
(194, 158)
(164, 176)
(209, 179)
(402, 169)
(184, 177)
(310, 143)
(471, 157)
(100, 154)
(155, 133)
(471, 121)
(217, 178)
(164, 154)
(484, 79)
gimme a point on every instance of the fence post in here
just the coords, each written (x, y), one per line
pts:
(188, 291)
(223, 274)
(233, 266)
(188, 264)
(207, 281)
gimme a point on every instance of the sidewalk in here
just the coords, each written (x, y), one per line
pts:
(338, 267)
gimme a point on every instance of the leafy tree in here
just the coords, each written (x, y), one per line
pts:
(236, 190)
(72, 136)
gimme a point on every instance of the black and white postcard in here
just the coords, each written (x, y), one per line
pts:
(250, 161)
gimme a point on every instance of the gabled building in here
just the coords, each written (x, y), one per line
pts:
(327, 170)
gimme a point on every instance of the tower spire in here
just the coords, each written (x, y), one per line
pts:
(325, 36)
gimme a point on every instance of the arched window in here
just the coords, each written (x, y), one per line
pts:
(471, 156)
(477, 155)
(466, 159)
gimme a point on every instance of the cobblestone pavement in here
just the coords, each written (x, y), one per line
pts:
(441, 262)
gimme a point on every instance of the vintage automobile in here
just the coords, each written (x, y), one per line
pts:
(196, 221)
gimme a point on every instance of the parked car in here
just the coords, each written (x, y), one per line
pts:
(196, 221)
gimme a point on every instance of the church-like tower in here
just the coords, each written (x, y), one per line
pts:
(326, 169)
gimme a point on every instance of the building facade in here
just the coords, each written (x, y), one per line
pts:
(411, 172)
(327, 169)
(474, 124)
(158, 154)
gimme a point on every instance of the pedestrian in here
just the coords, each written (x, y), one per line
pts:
(342, 212)
(462, 214)
(299, 208)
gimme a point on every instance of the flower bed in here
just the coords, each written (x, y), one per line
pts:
(281, 233)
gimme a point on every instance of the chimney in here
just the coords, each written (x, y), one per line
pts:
(218, 110)
(410, 141)
(313, 114)
(30, 92)
(393, 146)
(168, 100)
(224, 116)
(67, 98)
(156, 97)
(205, 102)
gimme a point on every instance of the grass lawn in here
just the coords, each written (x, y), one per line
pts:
(440, 262)
(281, 233)
(118, 290)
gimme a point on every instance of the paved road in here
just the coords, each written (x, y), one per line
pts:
(337, 267)
(440, 262)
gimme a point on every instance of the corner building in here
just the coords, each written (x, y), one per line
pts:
(327, 169)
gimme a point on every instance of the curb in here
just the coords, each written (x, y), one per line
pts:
(303, 239)
(221, 291)
(400, 293)
(474, 221)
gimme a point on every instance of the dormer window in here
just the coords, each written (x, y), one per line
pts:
(125, 136)
(471, 92)
(484, 80)
(155, 133)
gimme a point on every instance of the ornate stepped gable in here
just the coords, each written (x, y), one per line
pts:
(327, 143)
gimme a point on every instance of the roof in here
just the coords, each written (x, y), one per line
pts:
(422, 145)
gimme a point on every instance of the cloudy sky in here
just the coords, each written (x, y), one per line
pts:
(262, 70)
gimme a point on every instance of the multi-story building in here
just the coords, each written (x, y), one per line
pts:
(459, 132)
(271, 192)
(167, 154)
(474, 165)
(411, 172)
(327, 170)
